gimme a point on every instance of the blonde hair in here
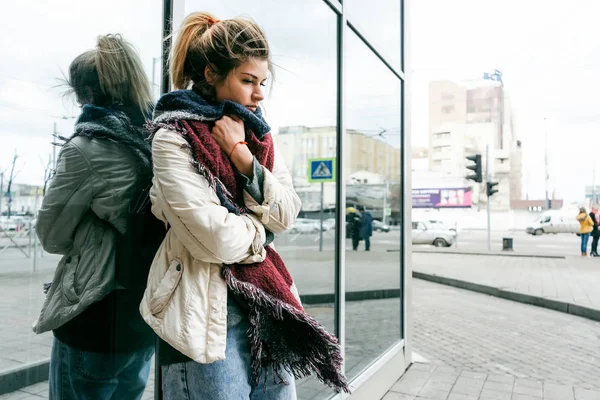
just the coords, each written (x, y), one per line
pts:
(112, 72)
(204, 41)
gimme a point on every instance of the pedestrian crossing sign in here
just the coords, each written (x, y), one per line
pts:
(321, 170)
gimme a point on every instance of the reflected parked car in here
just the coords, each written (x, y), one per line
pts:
(379, 226)
(303, 225)
(433, 234)
(329, 224)
(14, 223)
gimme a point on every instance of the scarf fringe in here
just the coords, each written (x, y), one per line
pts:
(322, 353)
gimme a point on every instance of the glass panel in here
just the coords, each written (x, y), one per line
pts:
(379, 22)
(373, 207)
(301, 111)
(31, 110)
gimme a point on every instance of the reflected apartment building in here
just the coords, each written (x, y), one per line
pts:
(464, 118)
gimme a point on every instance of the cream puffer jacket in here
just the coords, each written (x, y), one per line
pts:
(185, 301)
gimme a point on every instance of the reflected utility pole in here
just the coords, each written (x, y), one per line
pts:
(547, 176)
(593, 185)
(154, 85)
(488, 179)
(54, 133)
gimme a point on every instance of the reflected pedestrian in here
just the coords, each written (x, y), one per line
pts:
(219, 296)
(586, 227)
(595, 216)
(96, 213)
(366, 227)
(353, 227)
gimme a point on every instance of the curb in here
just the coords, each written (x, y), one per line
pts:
(17, 378)
(361, 295)
(499, 254)
(556, 305)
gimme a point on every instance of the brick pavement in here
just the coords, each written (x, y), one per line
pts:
(574, 280)
(484, 348)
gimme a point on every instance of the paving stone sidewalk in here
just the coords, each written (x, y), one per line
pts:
(425, 381)
(573, 280)
(480, 347)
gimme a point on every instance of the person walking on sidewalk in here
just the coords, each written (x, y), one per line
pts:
(353, 227)
(595, 216)
(586, 227)
(219, 296)
(96, 213)
(366, 227)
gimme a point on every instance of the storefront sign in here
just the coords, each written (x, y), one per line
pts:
(442, 198)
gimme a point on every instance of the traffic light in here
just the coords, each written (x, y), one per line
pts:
(490, 188)
(478, 175)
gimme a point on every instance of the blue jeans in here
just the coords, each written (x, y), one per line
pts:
(83, 375)
(585, 238)
(229, 379)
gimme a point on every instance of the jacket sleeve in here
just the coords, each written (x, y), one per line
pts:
(184, 198)
(281, 204)
(68, 198)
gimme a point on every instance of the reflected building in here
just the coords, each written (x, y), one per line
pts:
(366, 152)
(371, 164)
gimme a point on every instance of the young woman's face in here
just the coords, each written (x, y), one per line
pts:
(244, 84)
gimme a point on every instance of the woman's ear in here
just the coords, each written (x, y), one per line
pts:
(210, 74)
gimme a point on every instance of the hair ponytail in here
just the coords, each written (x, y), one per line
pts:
(192, 28)
(112, 72)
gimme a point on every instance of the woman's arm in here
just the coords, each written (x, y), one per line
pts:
(67, 200)
(281, 204)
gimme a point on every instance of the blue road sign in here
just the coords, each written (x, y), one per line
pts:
(321, 170)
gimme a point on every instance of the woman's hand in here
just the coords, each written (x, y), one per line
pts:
(228, 133)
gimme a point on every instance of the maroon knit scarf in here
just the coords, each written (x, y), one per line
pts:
(282, 334)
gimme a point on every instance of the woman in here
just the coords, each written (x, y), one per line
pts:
(595, 216)
(218, 294)
(586, 227)
(353, 227)
(96, 214)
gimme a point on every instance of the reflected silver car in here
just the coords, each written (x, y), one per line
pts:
(303, 225)
(433, 234)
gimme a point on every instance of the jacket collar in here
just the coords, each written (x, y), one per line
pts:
(117, 123)
(189, 105)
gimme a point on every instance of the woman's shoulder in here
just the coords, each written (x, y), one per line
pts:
(168, 134)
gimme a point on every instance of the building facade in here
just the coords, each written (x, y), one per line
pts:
(319, 105)
(465, 119)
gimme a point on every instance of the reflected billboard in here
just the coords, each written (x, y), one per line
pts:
(442, 198)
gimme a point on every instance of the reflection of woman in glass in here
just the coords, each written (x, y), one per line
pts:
(218, 294)
(93, 214)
